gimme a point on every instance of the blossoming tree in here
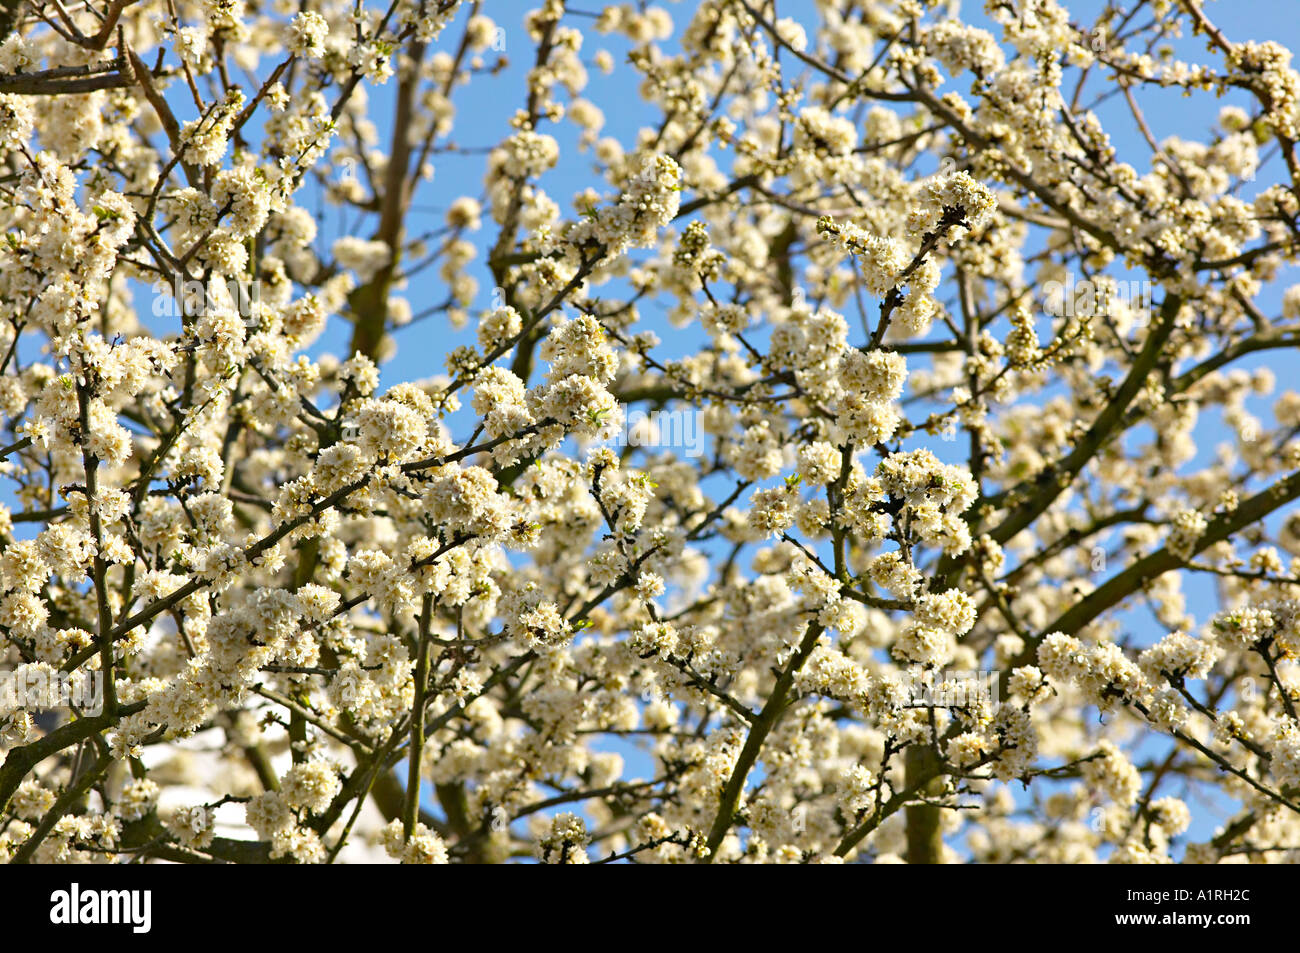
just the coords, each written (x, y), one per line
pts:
(448, 619)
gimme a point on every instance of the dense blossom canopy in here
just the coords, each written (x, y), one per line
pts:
(986, 546)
